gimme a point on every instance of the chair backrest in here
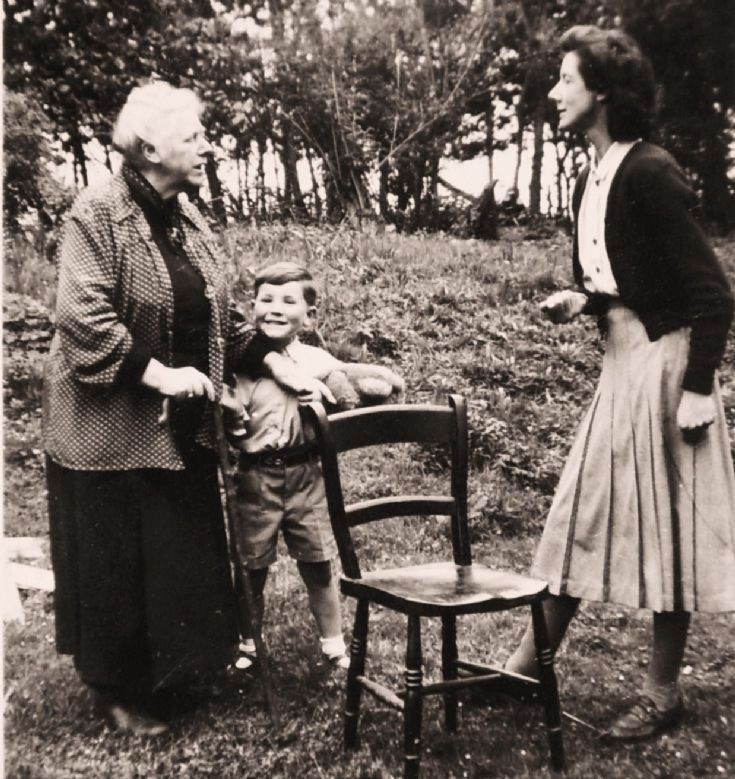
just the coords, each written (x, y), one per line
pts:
(390, 424)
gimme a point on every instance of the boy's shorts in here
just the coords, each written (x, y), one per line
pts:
(286, 497)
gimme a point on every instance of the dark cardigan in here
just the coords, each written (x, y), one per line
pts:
(665, 269)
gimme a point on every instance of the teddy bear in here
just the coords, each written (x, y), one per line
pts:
(352, 384)
(356, 384)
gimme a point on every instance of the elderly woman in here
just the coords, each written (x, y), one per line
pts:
(143, 594)
(644, 514)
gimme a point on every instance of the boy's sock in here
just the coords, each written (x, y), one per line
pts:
(335, 650)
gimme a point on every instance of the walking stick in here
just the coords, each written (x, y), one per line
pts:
(248, 613)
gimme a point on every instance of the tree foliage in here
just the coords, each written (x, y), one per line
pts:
(27, 160)
(368, 95)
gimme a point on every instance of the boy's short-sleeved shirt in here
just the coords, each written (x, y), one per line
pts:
(274, 412)
(289, 498)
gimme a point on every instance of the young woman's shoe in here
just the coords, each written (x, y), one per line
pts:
(644, 720)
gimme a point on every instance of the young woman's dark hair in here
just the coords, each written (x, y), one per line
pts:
(611, 63)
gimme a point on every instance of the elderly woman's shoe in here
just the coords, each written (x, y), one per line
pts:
(131, 719)
(246, 655)
(643, 720)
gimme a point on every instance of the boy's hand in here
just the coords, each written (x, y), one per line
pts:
(564, 306)
(315, 390)
(285, 372)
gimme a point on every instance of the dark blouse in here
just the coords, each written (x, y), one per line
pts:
(191, 307)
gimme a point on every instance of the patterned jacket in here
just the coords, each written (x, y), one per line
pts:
(114, 291)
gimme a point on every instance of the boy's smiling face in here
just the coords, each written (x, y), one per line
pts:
(281, 311)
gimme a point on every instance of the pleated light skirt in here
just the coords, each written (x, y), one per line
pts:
(640, 517)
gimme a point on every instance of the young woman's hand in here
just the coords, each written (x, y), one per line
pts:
(564, 306)
(695, 414)
(185, 382)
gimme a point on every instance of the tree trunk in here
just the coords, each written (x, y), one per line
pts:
(294, 198)
(519, 144)
(383, 192)
(277, 192)
(108, 161)
(335, 206)
(216, 192)
(314, 186)
(80, 158)
(490, 138)
(534, 198)
(418, 190)
(558, 179)
(239, 198)
(246, 188)
(261, 177)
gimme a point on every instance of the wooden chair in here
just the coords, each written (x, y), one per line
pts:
(443, 589)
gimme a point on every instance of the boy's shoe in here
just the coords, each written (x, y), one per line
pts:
(644, 720)
(340, 662)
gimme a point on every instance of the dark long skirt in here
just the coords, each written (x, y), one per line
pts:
(143, 593)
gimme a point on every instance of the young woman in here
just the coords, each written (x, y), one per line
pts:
(644, 514)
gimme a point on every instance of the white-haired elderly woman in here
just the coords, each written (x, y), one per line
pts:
(143, 598)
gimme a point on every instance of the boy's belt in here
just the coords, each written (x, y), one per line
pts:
(296, 455)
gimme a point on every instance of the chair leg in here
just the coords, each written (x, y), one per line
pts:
(358, 650)
(449, 669)
(413, 700)
(549, 689)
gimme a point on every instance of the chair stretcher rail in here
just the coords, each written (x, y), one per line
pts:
(381, 692)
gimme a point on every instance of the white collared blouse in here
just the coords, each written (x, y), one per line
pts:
(598, 276)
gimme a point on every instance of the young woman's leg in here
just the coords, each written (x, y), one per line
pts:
(659, 705)
(670, 631)
(558, 612)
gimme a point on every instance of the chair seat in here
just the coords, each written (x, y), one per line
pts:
(433, 589)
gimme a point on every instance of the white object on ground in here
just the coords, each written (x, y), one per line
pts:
(15, 576)
(23, 546)
(28, 577)
(12, 608)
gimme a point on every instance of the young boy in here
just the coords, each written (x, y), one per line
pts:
(279, 480)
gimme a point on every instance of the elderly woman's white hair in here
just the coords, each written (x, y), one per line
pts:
(146, 117)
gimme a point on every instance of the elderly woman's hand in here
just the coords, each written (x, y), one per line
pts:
(184, 382)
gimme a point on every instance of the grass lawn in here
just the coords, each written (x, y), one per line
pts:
(449, 315)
